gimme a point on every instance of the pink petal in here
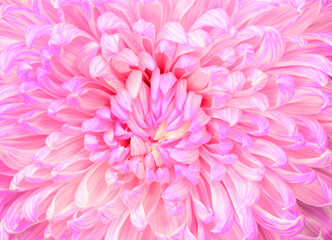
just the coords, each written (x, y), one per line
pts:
(62, 3)
(216, 18)
(167, 81)
(132, 198)
(111, 211)
(64, 33)
(198, 39)
(127, 56)
(146, 61)
(278, 224)
(34, 32)
(99, 67)
(118, 154)
(109, 45)
(150, 176)
(185, 64)
(8, 55)
(200, 137)
(85, 221)
(315, 61)
(218, 171)
(192, 105)
(200, 120)
(109, 21)
(94, 125)
(134, 82)
(144, 29)
(223, 211)
(267, 149)
(185, 156)
(137, 146)
(271, 49)
(163, 175)
(230, 115)
(124, 99)
(138, 218)
(174, 32)
(234, 82)
(176, 191)
(181, 8)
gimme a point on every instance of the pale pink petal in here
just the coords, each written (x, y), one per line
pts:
(216, 18)
(271, 151)
(61, 3)
(137, 146)
(98, 67)
(34, 32)
(191, 105)
(230, 115)
(167, 81)
(112, 210)
(269, 53)
(109, 45)
(172, 31)
(85, 221)
(144, 29)
(138, 218)
(223, 209)
(132, 198)
(198, 39)
(133, 83)
(127, 56)
(176, 191)
(64, 33)
(181, 8)
(8, 55)
(218, 171)
(109, 21)
(146, 61)
(185, 155)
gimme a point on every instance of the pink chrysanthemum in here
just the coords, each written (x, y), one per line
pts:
(165, 119)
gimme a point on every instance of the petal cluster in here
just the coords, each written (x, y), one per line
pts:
(165, 119)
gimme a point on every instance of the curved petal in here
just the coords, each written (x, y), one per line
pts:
(174, 32)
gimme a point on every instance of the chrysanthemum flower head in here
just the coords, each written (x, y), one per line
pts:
(165, 119)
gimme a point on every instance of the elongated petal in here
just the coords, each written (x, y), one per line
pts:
(133, 83)
(137, 218)
(222, 208)
(109, 45)
(191, 105)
